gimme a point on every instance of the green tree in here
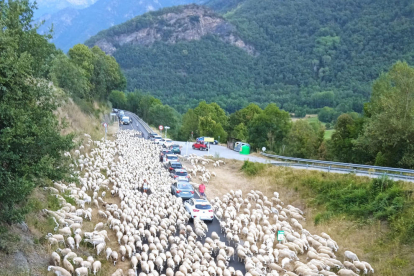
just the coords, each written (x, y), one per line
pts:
(304, 139)
(147, 101)
(167, 116)
(347, 130)
(240, 132)
(133, 101)
(389, 131)
(101, 70)
(269, 128)
(214, 111)
(210, 128)
(70, 77)
(31, 147)
(327, 114)
(82, 56)
(216, 117)
(118, 99)
(320, 99)
(189, 125)
(238, 121)
(106, 75)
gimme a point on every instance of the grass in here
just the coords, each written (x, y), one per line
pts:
(8, 240)
(313, 118)
(253, 168)
(83, 119)
(328, 134)
(371, 217)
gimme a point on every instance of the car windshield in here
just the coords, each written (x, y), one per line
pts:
(181, 173)
(203, 206)
(184, 185)
(175, 146)
(176, 165)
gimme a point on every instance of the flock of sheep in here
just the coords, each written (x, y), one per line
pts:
(153, 232)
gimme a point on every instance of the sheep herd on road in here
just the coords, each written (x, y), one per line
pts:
(153, 232)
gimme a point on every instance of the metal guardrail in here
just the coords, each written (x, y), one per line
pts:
(344, 167)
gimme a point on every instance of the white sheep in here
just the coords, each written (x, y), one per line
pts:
(55, 258)
(59, 271)
(96, 267)
(351, 256)
(82, 271)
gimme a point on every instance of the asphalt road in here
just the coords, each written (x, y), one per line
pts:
(218, 151)
(213, 226)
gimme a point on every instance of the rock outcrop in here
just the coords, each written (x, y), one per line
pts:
(184, 24)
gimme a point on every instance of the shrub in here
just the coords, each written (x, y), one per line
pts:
(380, 198)
(252, 168)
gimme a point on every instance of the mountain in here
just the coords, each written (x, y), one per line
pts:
(45, 8)
(72, 26)
(307, 54)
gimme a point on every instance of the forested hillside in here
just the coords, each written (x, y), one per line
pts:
(309, 54)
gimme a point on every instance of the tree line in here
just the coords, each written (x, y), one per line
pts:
(35, 78)
(382, 135)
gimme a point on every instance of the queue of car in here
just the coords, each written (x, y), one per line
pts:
(182, 187)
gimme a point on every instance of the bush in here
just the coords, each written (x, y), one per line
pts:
(252, 168)
(380, 198)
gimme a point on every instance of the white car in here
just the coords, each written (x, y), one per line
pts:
(199, 208)
(167, 143)
(158, 140)
(170, 157)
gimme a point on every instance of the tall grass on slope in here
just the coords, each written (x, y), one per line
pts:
(379, 199)
(252, 168)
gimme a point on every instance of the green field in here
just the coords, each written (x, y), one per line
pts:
(314, 119)
(328, 134)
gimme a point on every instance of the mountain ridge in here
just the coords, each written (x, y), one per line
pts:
(180, 23)
(72, 26)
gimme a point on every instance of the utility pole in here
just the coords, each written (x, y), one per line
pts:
(166, 128)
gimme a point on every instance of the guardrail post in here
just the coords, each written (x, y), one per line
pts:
(329, 168)
(307, 165)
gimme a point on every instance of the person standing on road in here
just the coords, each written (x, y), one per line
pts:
(161, 158)
(201, 189)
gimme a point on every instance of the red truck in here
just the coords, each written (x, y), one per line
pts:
(200, 146)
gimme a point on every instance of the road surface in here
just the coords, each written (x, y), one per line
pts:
(219, 151)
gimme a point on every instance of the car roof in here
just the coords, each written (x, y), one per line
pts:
(180, 170)
(175, 163)
(169, 155)
(168, 139)
(203, 201)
